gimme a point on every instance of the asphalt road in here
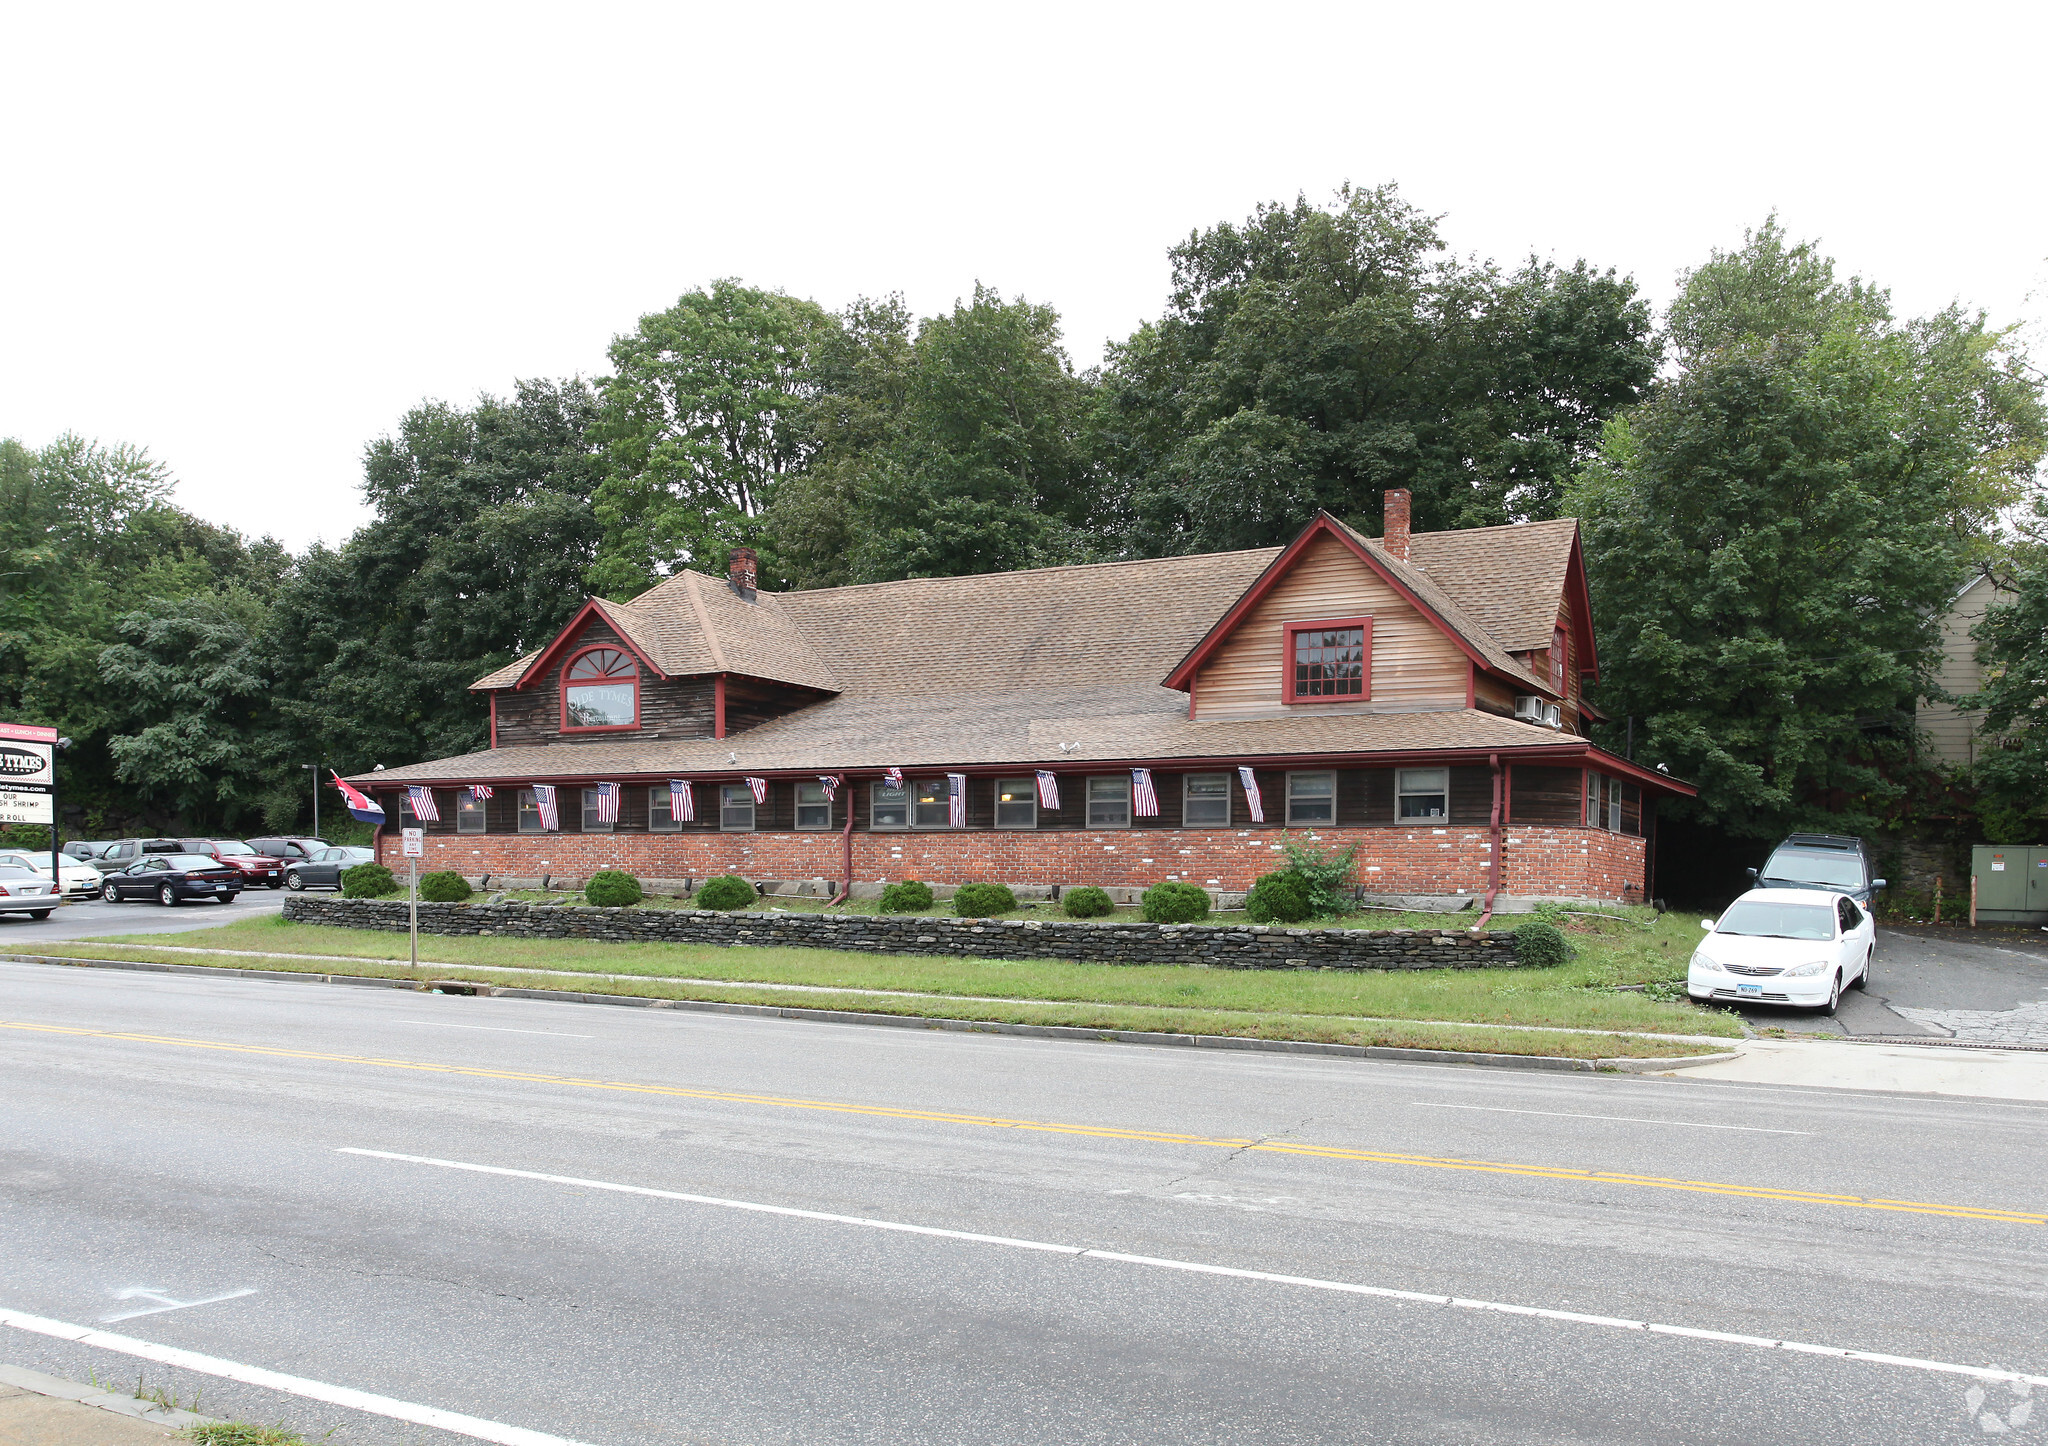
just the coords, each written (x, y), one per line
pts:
(170, 1139)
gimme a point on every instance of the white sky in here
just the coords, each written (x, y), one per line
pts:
(248, 238)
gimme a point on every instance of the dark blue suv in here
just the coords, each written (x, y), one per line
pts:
(1837, 862)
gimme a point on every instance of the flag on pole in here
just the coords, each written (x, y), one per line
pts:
(1251, 795)
(362, 807)
(682, 801)
(1048, 791)
(423, 807)
(831, 782)
(479, 791)
(956, 800)
(893, 777)
(607, 803)
(1144, 802)
(760, 787)
(544, 800)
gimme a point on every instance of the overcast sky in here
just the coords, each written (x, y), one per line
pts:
(249, 238)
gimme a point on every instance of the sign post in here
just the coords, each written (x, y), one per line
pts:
(28, 785)
(413, 843)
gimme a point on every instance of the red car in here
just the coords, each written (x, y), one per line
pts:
(256, 869)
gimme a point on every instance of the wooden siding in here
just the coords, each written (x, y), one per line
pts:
(669, 708)
(1414, 666)
(750, 702)
(1546, 795)
(1949, 736)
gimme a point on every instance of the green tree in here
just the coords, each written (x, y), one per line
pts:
(706, 412)
(1314, 357)
(1771, 537)
(2012, 644)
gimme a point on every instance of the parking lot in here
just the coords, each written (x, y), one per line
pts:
(96, 918)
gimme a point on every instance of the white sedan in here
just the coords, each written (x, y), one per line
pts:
(1800, 947)
(81, 881)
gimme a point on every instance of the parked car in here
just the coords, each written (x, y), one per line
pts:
(1839, 862)
(120, 855)
(86, 850)
(258, 868)
(289, 847)
(1785, 946)
(325, 868)
(172, 878)
(24, 891)
(81, 881)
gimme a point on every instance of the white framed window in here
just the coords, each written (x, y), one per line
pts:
(813, 809)
(1596, 791)
(1421, 793)
(469, 813)
(888, 807)
(1016, 803)
(1109, 801)
(735, 807)
(660, 811)
(1311, 798)
(406, 817)
(591, 822)
(529, 812)
(1205, 800)
(931, 805)
(1614, 805)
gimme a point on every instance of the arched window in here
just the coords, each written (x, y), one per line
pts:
(601, 689)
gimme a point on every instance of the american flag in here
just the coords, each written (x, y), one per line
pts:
(423, 804)
(1144, 802)
(544, 800)
(1251, 795)
(479, 791)
(760, 787)
(682, 802)
(1048, 791)
(831, 782)
(893, 777)
(956, 800)
(607, 803)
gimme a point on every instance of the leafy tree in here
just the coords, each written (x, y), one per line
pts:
(1312, 358)
(1771, 537)
(707, 411)
(2013, 646)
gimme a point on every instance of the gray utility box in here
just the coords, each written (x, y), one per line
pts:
(2012, 884)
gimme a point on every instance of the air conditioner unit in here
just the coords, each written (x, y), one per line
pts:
(1553, 716)
(1529, 709)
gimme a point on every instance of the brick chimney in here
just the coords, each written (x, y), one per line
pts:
(741, 571)
(1394, 535)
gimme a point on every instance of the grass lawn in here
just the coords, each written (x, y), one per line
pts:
(1298, 1003)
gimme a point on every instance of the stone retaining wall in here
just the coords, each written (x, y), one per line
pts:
(1231, 946)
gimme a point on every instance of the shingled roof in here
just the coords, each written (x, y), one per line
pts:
(1507, 579)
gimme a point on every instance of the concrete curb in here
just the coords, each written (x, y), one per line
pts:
(1621, 1065)
(121, 1405)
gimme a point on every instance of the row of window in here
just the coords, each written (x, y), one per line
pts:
(1612, 804)
(1311, 798)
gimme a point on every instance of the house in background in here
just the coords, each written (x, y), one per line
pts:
(1948, 735)
(1114, 724)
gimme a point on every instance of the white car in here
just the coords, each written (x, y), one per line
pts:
(81, 881)
(1800, 947)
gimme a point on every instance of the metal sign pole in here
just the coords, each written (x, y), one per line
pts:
(415, 914)
(414, 843)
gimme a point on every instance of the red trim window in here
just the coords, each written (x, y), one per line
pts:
(1558, 659)
(600, 691)
(1329, 661)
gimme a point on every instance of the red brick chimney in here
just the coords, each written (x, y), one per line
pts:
(1394, 535)
(741, 570)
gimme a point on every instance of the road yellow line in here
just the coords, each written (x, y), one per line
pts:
(1099, 1132)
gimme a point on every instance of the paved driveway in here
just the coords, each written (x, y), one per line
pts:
(1978, 986)
(20, 934)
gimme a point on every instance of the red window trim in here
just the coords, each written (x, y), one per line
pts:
(1288, 630)
(570, 662)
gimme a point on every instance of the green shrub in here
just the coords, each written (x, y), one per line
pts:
(1326, 878)
(983, 901)
(1174, 902)
(612, 889)
(367, 881)
(444, 886)
(906, 897)
(1087, 902)
(728, 891)
(1541, 945)
(1277, 899)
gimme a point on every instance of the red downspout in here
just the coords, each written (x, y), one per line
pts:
(1494, 865)
(845, 846)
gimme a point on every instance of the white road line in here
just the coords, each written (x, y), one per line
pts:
(455, 1421)
(164, 1302)
(1620, 1119)
(1982, 1373)
(494, 1029)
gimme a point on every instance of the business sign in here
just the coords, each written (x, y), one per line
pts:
(28, 773)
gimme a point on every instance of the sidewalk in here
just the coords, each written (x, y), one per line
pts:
(1903, 1068)
(40, 1410)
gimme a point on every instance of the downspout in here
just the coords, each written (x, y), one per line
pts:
(845, 847)
(1494, 864)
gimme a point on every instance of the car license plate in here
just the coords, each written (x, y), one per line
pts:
(1756, 989)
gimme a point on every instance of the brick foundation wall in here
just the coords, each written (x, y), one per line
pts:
(1227, 946)
(1542, 862)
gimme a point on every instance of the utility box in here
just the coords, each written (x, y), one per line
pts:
(2012, 884)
